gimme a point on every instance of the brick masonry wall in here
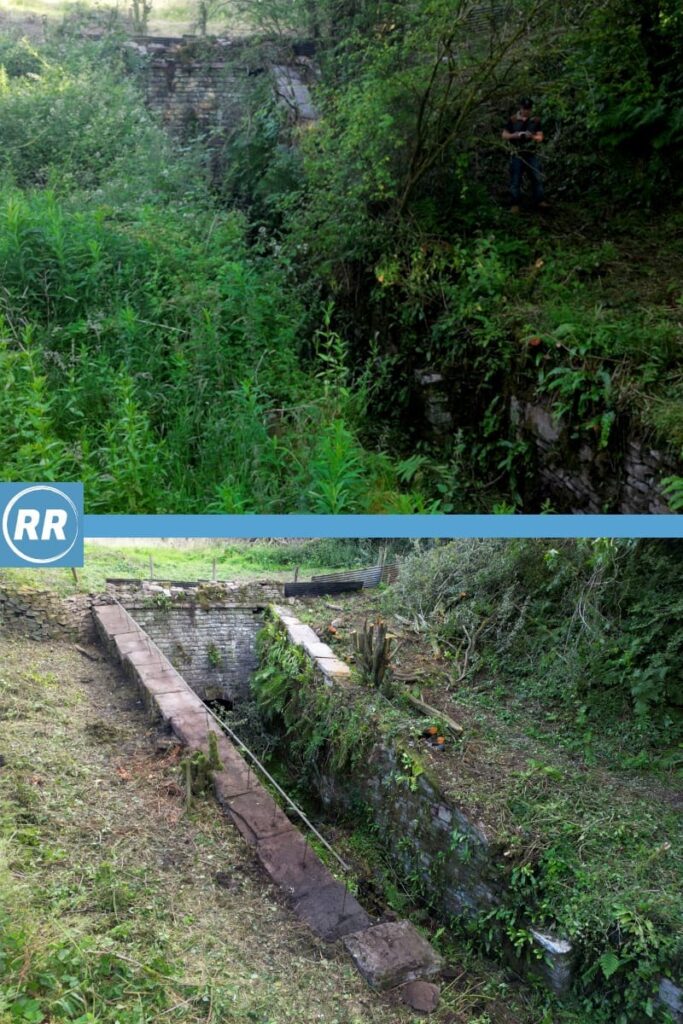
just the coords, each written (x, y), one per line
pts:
(201, 86)
(213, 648)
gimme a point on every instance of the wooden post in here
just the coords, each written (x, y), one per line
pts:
(151, 568)
(74, 574)
(188, 783)
(213, 571)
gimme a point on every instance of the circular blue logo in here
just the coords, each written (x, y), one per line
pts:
(40, 524)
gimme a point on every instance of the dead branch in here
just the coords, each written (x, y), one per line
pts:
(431, 712)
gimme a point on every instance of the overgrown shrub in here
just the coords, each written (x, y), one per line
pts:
(149, 349)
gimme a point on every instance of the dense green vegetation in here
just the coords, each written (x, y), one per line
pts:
(572, 688)
(179, 343)
(146, 349)
(578, 644)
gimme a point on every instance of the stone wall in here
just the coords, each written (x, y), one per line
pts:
(201, 86)
(580, 477)
(213, 648)
(426, 832)
(44, 615)
(433, 838)
(572, 472)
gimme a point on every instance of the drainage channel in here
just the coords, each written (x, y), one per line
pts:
(387, 954)
(244, 750)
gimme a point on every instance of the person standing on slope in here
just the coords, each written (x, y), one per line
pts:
(524, 134)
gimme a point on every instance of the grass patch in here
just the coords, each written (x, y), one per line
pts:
(167, 17)
(194, 560)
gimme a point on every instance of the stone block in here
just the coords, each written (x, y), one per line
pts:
(422, 996)
(392, 954)
(337, 670)
(113, 619)
(317, 649)
(256, 814)
(332, 912)
(670, 996)
(292, 864)
(125, 643)
(443, 815)
(235, 777)
(556, 967)
(301, 635)
(158, 681)
(541, 422)
(177, 706)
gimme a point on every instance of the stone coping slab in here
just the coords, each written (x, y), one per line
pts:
(257, 816)
(392, 954)
(113, 619)
(292, 864)
(321, 654)
(333, 912)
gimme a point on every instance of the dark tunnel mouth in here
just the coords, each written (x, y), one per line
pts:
(219, 704)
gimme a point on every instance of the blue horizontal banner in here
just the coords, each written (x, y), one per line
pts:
(254, 526)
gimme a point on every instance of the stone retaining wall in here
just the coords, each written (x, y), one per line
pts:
(44, 615)
(573, 473)
(579, 477)
(201, 86)
(426, 832)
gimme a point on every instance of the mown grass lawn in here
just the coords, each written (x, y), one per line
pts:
(181, 560)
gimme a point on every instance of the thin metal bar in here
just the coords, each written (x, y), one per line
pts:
(280, 790)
